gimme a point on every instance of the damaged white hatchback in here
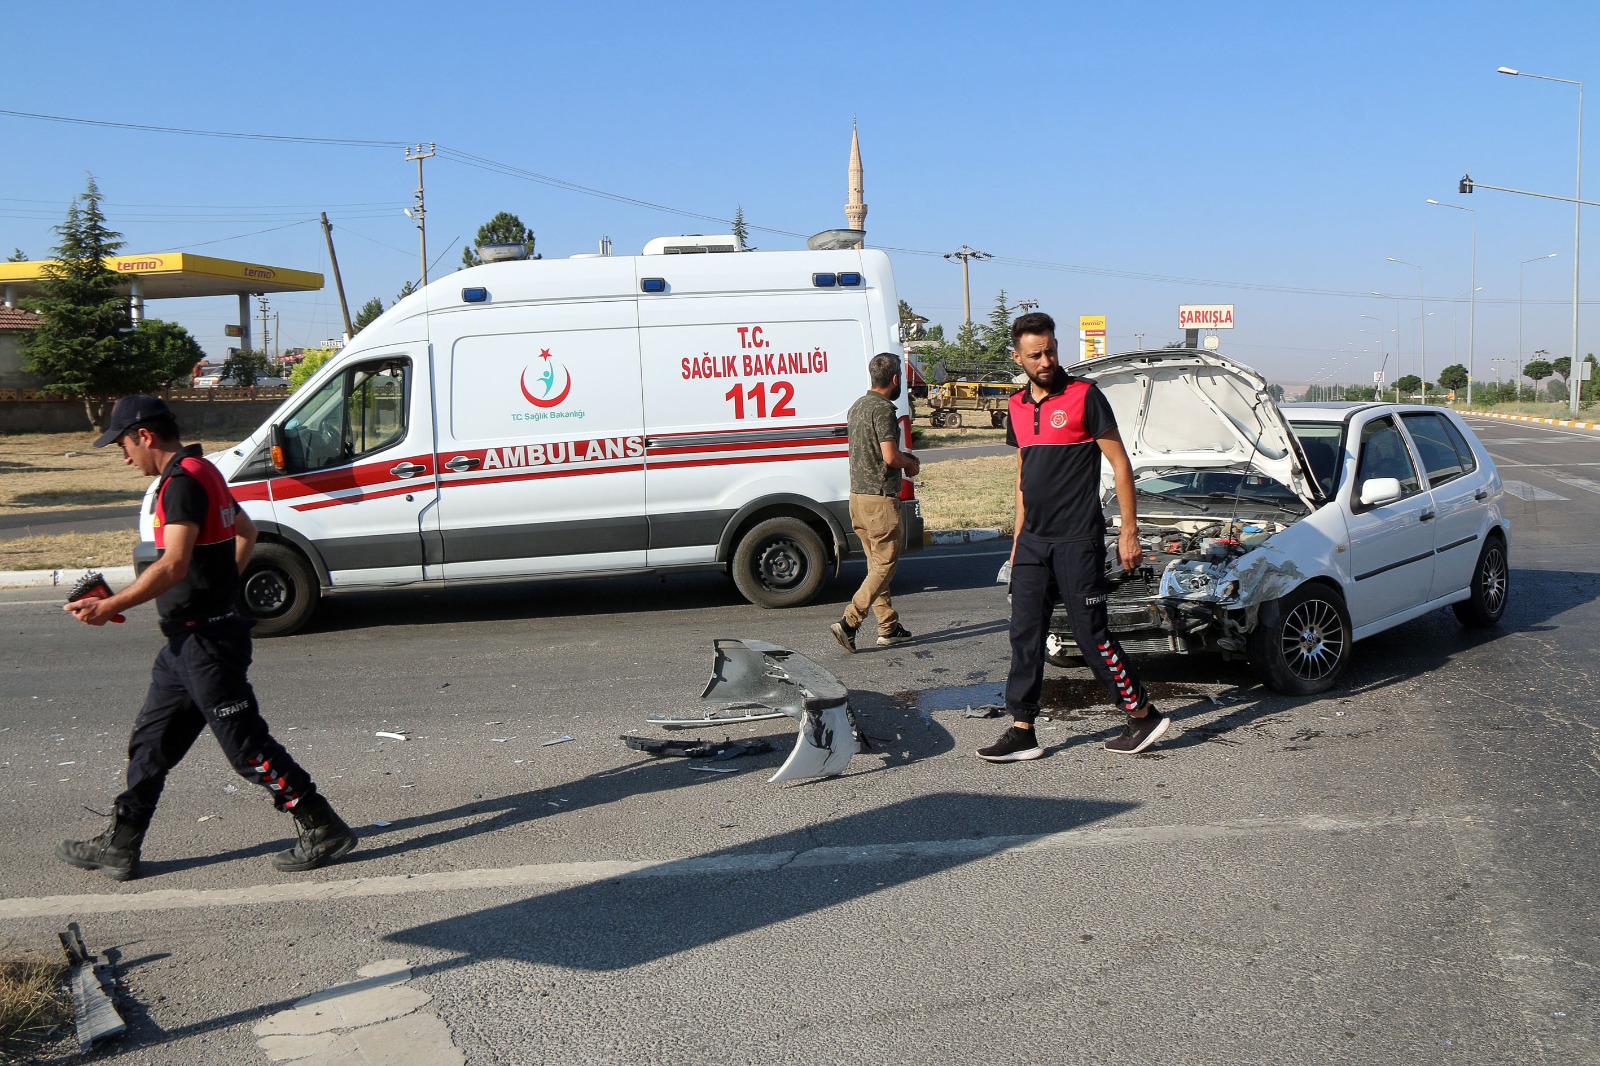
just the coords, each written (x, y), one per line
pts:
(1286, 534)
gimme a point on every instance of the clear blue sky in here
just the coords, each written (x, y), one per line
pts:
(1116, 159)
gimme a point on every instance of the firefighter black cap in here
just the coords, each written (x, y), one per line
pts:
(129, 412)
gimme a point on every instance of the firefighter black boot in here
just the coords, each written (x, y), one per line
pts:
(323, 837)
(114, 853)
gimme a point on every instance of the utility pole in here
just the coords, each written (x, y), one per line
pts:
(964, 254)
(338, 282)
(1139, 339)
(420, 212)
(263, 302)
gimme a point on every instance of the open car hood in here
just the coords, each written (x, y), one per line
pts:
(1187, 409)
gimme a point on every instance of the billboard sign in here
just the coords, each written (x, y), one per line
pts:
(1205, 316)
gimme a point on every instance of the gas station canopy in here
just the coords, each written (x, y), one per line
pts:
(169, 275)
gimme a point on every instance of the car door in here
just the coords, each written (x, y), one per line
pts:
(360, 481)
(1458, 487)
(1391, 544)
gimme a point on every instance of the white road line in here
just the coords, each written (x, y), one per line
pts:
(563, 874)
(1579, 483)
(1524, 490)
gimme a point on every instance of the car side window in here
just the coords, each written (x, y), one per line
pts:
(357, 413)
(1445, 455)
(1384, 454)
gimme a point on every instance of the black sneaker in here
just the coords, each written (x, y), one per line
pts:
(845, 634)
(1014, 745)
(1140, 733)
(898, 635)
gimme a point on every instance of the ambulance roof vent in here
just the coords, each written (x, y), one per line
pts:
(693, 244)
(502, 253)
(830, 240)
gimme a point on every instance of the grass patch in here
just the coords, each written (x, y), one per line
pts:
(34, 1003)
(929, 437)
(69, 551)
(969, 493)
(66, 472)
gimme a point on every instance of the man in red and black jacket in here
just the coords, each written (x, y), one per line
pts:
(200, 676)
(1062, 427)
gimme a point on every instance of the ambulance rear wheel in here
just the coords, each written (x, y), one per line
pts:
(279, 590)
(780, 563)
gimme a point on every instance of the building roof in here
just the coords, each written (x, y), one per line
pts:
(14, 318)
(165, 275)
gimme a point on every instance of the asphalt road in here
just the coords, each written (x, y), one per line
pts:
(1399, 871)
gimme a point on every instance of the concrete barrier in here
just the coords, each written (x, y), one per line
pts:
(198, 418)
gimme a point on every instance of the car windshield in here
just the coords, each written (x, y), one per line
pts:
(1190, 486)
(1323, 443)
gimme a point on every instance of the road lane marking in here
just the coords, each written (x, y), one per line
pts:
(1579, 482)
(1524, 490)
(565, 874)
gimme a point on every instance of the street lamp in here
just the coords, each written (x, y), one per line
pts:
(1577, 217)
(1520, 268)
(1422, 293)
(1472, 315)
(964, 253)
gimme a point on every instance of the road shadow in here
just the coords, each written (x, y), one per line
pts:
(651, 914)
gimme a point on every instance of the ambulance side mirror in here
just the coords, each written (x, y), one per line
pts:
(280, 449)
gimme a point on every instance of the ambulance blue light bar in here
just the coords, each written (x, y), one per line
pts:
(824, 281)
(653, 284)
(850, 279)
(477, 295)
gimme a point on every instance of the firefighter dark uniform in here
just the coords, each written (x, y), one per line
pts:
(1061, 546)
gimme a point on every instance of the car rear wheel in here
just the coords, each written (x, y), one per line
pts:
(1301, 642)
(780, 563)
(1491, 587)
(279, 590)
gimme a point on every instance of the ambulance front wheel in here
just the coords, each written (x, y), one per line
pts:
(279, 590)
(780, 563)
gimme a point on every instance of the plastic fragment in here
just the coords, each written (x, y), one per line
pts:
(716, 769)
(391, 736)
(558, 740)
(988, 710)
(381, 825)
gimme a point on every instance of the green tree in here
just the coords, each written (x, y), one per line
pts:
(503, 228)
(17, 256)
(169, 351)
(1453, 377)
(314, 358)
(245, 367)
(405, 290)
(741, 232)
(80, 348)
(1276, 392)
(1538, 370)
(1408, 385)
(1557, 390)
(369, 311)
(994, 338)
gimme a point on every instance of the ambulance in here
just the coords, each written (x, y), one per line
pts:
(679, 410)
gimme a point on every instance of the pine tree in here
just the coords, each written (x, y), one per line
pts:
(80, 348)
(503, 228)
(741, 232)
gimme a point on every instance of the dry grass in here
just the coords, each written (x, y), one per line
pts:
(969, 493)
(69, 551)
(927, 437)
(33, 1000)
(66, 472)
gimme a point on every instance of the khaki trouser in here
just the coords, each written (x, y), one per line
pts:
(876, 520)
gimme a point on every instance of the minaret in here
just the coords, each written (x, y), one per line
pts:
(855, 212)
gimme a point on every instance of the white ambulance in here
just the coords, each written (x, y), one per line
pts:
(679, 410)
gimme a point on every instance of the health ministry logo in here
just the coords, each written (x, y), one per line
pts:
(545, 383)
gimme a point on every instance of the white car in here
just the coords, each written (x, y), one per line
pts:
(1286, 534)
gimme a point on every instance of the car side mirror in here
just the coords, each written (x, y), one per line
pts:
(280, 449)
(1380, 490)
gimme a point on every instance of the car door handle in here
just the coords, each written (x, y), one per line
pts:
(1425, 516)
(1480, 494)
(463, 462)
(407, 470)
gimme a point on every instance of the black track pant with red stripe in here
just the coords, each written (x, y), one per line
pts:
(1078, 570)
(200, 679)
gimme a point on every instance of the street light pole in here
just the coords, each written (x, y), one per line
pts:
(1577, 221)
(1422, 328)
(1472, 315)
(1521, 267)
(964, 254)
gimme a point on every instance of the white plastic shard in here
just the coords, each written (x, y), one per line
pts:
(754, 671)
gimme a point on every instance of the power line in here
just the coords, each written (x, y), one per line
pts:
(276, 137)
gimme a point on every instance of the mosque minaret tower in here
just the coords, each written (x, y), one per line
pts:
(855, 211)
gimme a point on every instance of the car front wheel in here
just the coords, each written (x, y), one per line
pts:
(279, 590)
(1301, 642)
(780, 563)
(1491, 587)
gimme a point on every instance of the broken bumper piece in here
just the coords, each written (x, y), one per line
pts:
(755, 672)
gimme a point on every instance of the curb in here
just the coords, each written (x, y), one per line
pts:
(13, 579)
(1570, 423)
(959, 536)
